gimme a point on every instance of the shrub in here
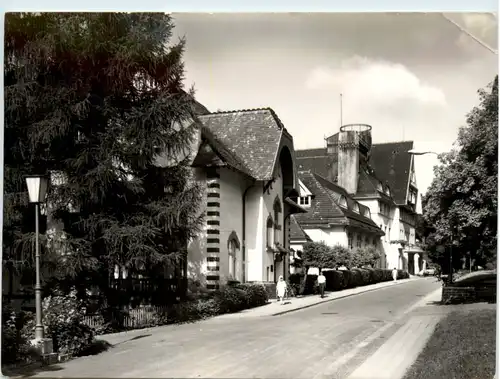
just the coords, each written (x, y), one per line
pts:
(311, 285)
(255, 295)
(402, 274)
(365, 277)
(295, 280)
(378, 275)
(357, 278)
(334, 280)
(16, 344)
(228, 299)
(63, 319)
(348, 279)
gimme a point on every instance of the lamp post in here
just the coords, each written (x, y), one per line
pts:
(37, 191)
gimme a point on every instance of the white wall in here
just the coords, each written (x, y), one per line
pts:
(332, 236)
(255, 238)
(232, 187)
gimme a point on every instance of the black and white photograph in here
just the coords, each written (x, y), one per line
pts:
(250, 195)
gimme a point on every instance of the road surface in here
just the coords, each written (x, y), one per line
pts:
(327, 340)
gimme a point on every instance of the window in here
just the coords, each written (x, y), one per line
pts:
(349, 240)
(355, 207)
(384, 208)
(232, 247)
(358, 241)
(269, 236)
(343, 202)
(379, 186)
(385, 231)
(368, 214)
(277, 226)
(375, 241)
(305, 201)
(387, 191)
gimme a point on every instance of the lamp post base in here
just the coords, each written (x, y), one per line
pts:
(44, 346)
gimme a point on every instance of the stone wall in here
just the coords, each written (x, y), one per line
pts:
(456, 295)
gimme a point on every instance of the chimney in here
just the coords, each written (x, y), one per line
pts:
(352, 146)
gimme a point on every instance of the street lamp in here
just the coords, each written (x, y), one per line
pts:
(37, 191)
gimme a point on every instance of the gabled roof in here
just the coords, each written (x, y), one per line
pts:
(296, 231)
(225, 155)
(319, 164)
(391, 162)
(325, 208)
(253, 136)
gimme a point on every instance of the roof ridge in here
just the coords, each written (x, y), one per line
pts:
(269, 109)
(393, 142)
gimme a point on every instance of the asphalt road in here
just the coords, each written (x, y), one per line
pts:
(327, 340)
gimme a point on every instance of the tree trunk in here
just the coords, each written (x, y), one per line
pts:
(304, 280)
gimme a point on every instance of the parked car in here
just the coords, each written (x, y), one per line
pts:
(430, 272)
(484, 282)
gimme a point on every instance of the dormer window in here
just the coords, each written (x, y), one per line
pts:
(387, 191)
(379, 187)
(343, 202)
(368, 213)
(355, 207)
(305, 201)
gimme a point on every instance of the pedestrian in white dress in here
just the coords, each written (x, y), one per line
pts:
(395, 274)
(281, 289)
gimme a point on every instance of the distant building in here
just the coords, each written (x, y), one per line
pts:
(380, 177)
(334, 216)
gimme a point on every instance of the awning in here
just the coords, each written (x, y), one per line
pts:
(296, 208)
(413, 249)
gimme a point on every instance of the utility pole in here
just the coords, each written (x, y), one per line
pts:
(340, 110)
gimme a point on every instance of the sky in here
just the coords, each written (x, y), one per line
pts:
(411, 76)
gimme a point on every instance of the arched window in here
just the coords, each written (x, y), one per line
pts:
(233, 247)
(277, 213)
(269, 231)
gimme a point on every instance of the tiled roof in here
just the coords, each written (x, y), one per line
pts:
(325, 207)
(227, 155)
(317, 164)
(253, 136)
(310, 152)
(296, 231)
(338, 191)
(391, 162)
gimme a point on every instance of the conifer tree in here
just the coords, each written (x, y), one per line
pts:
(97, 101)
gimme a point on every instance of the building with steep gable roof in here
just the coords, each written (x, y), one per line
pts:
(334, 216)
(247, 160)
(380, 177)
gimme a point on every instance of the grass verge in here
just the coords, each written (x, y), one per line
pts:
(462, 347)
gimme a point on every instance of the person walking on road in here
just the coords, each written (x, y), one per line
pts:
(395, 274)
(321, 284)
(281, 289)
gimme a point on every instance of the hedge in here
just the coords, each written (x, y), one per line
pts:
(337, 280)
(228, 299)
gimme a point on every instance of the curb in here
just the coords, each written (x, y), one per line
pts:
(340, 297)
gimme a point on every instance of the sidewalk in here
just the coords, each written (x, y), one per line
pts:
(401, 350)
(271, 309)
(274, 308)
